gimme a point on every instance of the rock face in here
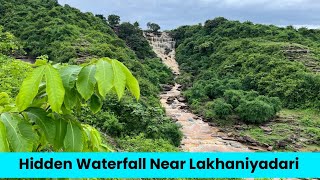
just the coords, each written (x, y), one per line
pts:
(199, 136)
(164, 46)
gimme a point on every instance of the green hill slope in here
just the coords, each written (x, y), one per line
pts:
(66, 34)
(247, 71)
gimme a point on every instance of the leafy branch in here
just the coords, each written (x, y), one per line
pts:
(42, 117)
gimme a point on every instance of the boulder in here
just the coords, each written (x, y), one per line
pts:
(166, 87)
(182, 99)
(170, 100)
(270, 148)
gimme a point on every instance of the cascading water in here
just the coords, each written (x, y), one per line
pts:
(198, 135)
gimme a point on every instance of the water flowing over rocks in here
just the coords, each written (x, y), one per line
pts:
(199, 136)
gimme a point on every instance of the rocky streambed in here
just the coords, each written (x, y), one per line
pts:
(199, 136)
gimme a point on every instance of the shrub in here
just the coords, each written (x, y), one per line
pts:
(12, 74)
(255, 111)
(219, 108)
(273, 101)
(233, 97)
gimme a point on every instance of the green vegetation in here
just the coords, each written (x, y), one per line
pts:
(42, 116)
(65, 34)
(228, 55)
(245, 72)
(153, 27)
(113, 20)
(133, 36)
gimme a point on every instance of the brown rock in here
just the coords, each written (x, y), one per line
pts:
(281, 144)
(254, 148)
(249, 139)
(266, 129)
(228, 138)
(183, 107)
(166, 87)
(270, 148)
(170, 100)
(181, 99)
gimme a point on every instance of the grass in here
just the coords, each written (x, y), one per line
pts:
(299, 129)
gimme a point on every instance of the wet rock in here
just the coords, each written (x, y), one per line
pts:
(166, 87)
(182, 99)
(183, 107)
(190, 119)
(266, 129)
(170, 100)
(270, 148)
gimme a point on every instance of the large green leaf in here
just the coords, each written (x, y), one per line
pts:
(55, 89)
(104, 76)
(4, 146)
(131, 82)
(119, 79)
(95, 103)
(17, 142)
(61, 130)
(26, 130)
(46, 124)
(73, 141)
(93, 138)
(70, 98)
(29, 88)
(69, 76)
(86, 81)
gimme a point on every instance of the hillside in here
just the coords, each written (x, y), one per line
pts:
(245, 73)
(231, 82)
(65, 34)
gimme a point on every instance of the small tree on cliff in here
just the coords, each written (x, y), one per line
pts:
(153, 27)
(113, 20)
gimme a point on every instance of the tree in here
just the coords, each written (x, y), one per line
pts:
(43, 115)
(113, 20)
(136, 24)
(101, 17)
(153, 27)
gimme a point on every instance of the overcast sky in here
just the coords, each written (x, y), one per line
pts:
(170, 14)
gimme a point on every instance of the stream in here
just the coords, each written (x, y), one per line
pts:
(198, 136)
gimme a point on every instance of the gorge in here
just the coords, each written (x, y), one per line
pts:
(198, 135)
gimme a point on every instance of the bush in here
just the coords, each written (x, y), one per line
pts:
(219, 108)
(12, 74)
(233, 97)
(273, 101)
(255, 111)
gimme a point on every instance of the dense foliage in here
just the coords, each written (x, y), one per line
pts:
(61, 32)
(67, 35)
(133, 36)
(42, 116)
(229, 60)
